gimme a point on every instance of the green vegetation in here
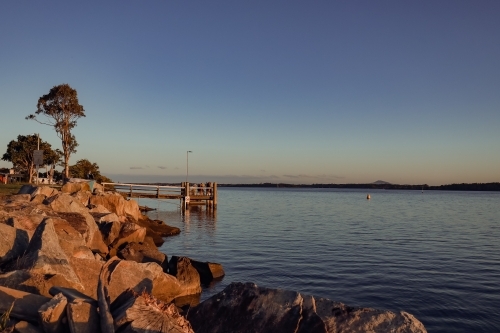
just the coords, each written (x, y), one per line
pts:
(4, 319)
(8, 189)
(84, 167)
(61, 108)
(20, 153)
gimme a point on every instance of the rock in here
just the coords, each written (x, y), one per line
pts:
(82, 317)
(63, 202)
(19, 198)
(52, 314)
(143, 313)
(38, 199)
(69, 238)
(25, 327)
(110, 231)
(44, 190)
(104, 217)
(82, 196)
(27, 189)
(98, 188)
(129, 232)
(27, 223)
(26, 305)
(158, 226)
(142, 253)
(87, 271)
(148, 277)
(75, 187)
(156, 229)
(72, 295)
(30, 282)
(275, 310)
(186, 274)
(208, 271)
(84, 223)
(13, 243)
(115, 203)
(45, 256)
(98, 209)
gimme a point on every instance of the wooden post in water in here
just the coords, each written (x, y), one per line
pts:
(186, 196)
(131, 191)
(158, 192)
(215, 195)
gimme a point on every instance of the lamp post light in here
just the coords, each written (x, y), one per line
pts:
(187, 164)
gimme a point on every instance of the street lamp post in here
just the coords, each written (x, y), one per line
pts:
(187, 164)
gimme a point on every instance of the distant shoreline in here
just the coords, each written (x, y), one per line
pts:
(449, 187)
(385, 186)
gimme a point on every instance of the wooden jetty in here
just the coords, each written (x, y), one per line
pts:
(188, 194)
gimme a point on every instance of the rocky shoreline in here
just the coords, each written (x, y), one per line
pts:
(80, 261)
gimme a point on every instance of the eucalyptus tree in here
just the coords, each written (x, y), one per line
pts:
(62, 110)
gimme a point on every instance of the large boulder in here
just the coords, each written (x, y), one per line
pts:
(110, 231)
(24, 305)
(87, 271)
(143, 313)
(82, 317)
(248, 308)
(45, 256)
(27, 189)
(75, 187)
(129, 232)
(13, 242)
(148, 277)
(142, 253)
(47, 191)
(64, 202)
(84, 223)
(115, 203)
(208, 271)
(28, 223)
(188, 276)
(157, 229)
(53, 315)
(82, 196)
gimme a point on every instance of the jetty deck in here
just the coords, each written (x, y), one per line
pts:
(188, 194)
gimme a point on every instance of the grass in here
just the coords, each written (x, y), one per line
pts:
(4, 319)
(8, 189)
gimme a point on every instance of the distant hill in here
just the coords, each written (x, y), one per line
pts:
(381, 182)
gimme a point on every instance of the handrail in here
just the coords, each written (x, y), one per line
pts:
(139, 185)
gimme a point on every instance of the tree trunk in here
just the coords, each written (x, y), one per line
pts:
(66, 165)
(30, 172)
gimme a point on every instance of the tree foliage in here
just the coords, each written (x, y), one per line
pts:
(83, 167)
(62, 110)
(20, 154)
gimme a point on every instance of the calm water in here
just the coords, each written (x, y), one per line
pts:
(433, 254)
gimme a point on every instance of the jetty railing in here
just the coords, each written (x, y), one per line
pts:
(196, 194)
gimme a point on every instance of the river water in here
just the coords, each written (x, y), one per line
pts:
(434, 254)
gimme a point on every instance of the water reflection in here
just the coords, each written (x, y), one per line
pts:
(200, 217)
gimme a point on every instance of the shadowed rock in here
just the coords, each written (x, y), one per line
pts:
(186, 274)
(45, 256)
(13, 242)
(52, 314)
(248, 308)
(143, 313)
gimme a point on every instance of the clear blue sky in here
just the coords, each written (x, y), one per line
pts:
(280, 91)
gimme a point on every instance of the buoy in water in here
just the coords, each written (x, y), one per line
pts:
(368, 197)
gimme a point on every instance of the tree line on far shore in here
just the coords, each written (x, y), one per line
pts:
(495, 186)
(61, 110)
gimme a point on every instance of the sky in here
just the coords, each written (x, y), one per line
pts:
(263, 91)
